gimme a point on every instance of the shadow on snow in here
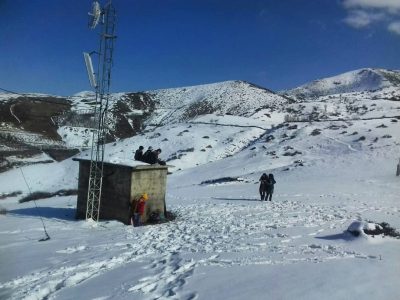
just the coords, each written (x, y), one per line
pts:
(46, 212)
(346, 236)
(235, 199)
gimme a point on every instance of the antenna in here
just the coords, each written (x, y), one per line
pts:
(94, 15)
(89, 69)
(102, 88)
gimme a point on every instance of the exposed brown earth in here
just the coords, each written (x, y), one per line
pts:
(34, 114)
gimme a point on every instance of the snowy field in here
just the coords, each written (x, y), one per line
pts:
(331, 170)
(225, 243)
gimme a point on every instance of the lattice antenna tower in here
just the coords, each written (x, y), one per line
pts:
(106, 18)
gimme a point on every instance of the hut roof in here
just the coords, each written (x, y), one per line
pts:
(133, 164)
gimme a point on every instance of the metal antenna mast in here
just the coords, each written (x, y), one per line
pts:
(102, 88)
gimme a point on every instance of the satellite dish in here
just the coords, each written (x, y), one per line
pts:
(94, 15)
(89, 69)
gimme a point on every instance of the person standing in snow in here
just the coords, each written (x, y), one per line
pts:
(138, 210)
(139, 153)
(398, 169)
(264, 181)
(270, 187)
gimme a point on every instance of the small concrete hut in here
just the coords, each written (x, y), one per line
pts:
(124, 182)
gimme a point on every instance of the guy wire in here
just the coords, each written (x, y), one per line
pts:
(44, 227)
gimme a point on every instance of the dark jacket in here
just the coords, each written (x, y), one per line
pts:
(152, 158)
(270, 186)
(139, 155)
(264, 182)
(146, 156)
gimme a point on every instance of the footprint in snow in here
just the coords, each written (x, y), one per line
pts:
(71, 250)
(172, 275)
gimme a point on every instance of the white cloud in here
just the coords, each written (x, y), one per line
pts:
(360, 18)
(394, 27)
(363, 13)
(392, 6)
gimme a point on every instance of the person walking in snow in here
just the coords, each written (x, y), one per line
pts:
(264, 181)
(138, 210)
(270, 187)
(139, 153)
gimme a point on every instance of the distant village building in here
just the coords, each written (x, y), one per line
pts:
(123, 183)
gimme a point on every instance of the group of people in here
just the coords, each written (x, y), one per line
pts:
(150, 156)
(266, 186)
(138, 206)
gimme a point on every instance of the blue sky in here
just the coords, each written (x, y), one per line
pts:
(277, 44)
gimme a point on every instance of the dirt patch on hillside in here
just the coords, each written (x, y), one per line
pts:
(34, 114)
(127, 121)
(61, 154)
(198, 109)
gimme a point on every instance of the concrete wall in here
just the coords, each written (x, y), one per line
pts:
(122, 184)
(115, 204)
(82, 189)
(153, 182)
(115, 195)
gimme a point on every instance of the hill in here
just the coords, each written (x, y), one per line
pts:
(362, 80)
(223, 235)
(334, 159)
(64, 125)
(60, 127)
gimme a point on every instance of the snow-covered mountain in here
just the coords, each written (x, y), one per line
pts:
(362, 80)
(61, 125)
(67, 122)
(159, 107)
(334, 159)
(230, 97)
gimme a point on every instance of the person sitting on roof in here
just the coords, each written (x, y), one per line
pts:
(139, 153)
(153, 158)
(147, 154)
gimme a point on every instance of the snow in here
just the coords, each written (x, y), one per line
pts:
(9, 96)
(225, 242)
(34, 159)
(222, 93)
(48, 177)
(358, 227)
(354, 81)
(79, 137)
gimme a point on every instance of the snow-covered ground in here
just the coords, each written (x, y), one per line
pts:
(334, 165)
(225, 243)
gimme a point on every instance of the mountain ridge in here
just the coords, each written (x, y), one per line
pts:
(66, 122)
(360, 80)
